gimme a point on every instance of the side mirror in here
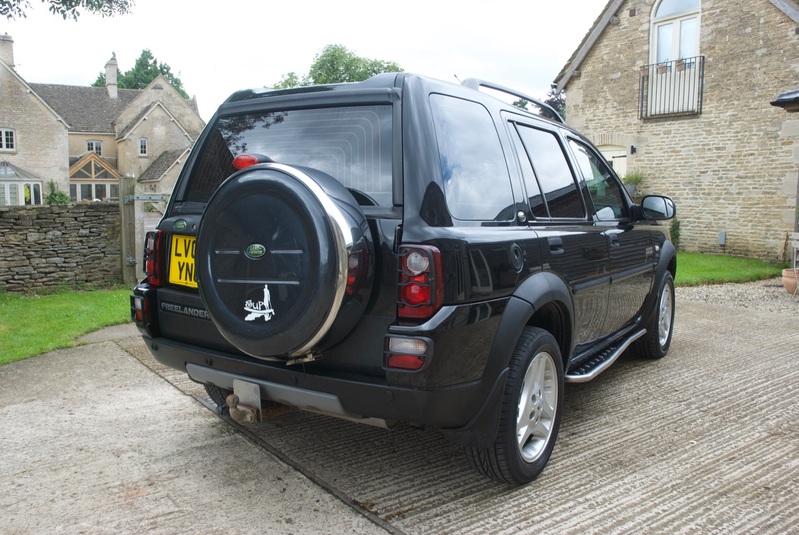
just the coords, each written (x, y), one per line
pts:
(657, 208)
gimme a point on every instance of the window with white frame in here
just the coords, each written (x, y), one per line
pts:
(93, 191)
(20, 193)
(8, 141)
(675, 30)
(143, 146)
(672, 84)
(95, 147)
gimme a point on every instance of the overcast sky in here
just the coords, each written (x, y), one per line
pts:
(218, 47)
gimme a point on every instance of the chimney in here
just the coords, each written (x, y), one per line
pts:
(7, 50)
(111, 73)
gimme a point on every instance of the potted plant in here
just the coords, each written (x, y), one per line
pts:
(789, 275)
(631, 181)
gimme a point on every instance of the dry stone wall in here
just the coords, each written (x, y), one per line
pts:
(59, 246)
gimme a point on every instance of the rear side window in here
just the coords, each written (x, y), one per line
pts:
(351, 144)
(553, 174)
(476, 180)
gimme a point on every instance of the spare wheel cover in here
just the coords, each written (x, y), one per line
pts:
(272, 260)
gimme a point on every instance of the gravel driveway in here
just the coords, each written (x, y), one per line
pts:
(766, 296)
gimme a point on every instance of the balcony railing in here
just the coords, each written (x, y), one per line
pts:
(672, 88)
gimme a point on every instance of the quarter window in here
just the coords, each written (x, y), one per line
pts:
(475, 174)
(603, 187)
(553, 174)
(7, 140)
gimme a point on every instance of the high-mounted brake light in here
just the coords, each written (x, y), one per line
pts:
(153, 257)
(243, 161)
(421, 284)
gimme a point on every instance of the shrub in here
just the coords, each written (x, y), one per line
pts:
(56, 196)
(674, 229)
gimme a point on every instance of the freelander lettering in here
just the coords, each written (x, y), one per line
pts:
(184, 310)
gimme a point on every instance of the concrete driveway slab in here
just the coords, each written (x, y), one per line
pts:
(93, 442)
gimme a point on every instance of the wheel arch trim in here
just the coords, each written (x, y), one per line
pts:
(534, 294)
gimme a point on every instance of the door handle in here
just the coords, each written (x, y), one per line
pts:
(555, 245)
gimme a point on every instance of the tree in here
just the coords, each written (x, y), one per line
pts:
(291, 79)
(557, 101)
(12, 9)
(336, 64)
(145, 70)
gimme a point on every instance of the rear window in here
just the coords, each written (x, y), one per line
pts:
(351, 144)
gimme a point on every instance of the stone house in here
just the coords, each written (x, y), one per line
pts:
(89, 140)
(680, 91)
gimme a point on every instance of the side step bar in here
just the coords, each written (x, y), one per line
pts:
(589, 369)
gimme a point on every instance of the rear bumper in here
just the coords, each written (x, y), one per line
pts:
(363, 397)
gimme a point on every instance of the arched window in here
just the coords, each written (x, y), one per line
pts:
(675, 30)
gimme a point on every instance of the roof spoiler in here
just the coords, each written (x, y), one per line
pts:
(546, 110)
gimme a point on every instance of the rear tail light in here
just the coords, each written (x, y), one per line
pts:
(139, 309)
(154, 258)
(421, 285)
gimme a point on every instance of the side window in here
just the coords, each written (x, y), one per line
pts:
(552, 171)
(476, 180)
(604, 189)
(534, 198)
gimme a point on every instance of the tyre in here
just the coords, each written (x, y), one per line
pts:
(529, 413)
(283, 258)
(655, 343)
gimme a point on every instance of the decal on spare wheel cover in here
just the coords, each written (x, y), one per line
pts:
(260, 309)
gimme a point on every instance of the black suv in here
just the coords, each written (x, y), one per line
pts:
(404, 250)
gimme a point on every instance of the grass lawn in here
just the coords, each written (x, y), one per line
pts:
(32, 324)
(694, 269)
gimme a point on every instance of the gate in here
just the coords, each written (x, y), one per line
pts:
(140, 214)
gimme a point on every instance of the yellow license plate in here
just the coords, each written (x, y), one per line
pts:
(181, 261)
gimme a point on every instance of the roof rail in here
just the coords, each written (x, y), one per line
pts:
(546, 110)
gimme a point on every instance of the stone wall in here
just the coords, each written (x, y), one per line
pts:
(59, 246)
(733, 168)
